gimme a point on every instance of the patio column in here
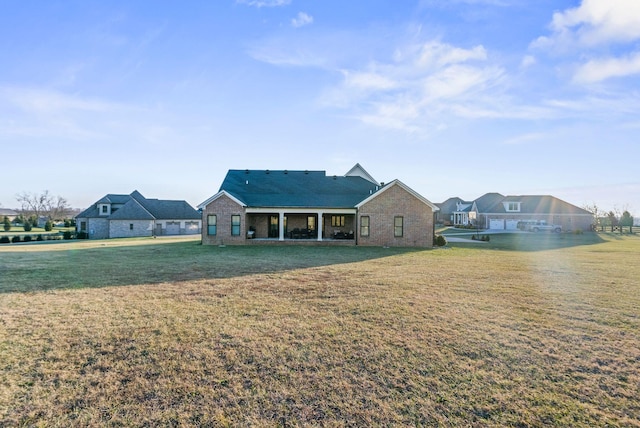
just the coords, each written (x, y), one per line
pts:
(319, 225)
(281, 226)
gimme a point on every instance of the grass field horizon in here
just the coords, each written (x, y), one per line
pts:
(517, 332)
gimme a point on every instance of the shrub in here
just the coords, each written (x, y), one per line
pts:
(27, 238)
(67, 234)
(82, 235)
(39, 238)
(4, 240)
(48, 226)
(440, 241)
(15, 239)
(6, 224)
(577, 232)
(27, 226)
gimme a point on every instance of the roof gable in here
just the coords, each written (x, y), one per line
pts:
(359, 171)
(399, 183)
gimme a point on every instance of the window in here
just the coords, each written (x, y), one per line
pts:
(311, 222)
(105, 209)
(337, 220)
(130, 226)
(513, 206)
(235, 225)
(364, 226)
(83, 226)
(397, 226)
(212, 224)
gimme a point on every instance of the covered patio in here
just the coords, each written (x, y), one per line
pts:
(301, 224)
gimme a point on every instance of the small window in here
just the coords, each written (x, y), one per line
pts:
(235, 225)
(398, 226)
(130, 226)
(83, 226)
(104, 209)
(337, 220)
(212, 224)
(311, 222)
(364, 226)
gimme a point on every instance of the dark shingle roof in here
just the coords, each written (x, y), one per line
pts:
(137, 207)
(539, 204)
(487, 201)
(260, 188)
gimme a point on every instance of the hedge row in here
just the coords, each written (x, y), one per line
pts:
(28, 238)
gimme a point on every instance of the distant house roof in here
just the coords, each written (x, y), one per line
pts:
(485, 202)
(450, 205)
(8, 212)
(537, 204)
(137, 207)
(301, 189)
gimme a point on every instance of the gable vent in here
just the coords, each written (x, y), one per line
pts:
(267, 172)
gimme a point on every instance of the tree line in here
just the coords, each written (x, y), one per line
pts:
(35, 207)
(612, 220)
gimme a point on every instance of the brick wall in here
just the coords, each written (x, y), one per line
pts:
(396, 201)
(122, 228)
(97, 228)
(224, 207)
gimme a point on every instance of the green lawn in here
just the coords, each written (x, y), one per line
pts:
(514, 332)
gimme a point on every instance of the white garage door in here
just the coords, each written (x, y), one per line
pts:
(173, 228)
(512, 224)
(496, 224)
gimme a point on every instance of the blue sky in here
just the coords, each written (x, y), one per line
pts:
(454, 98)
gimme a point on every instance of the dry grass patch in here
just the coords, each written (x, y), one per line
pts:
(464, 336)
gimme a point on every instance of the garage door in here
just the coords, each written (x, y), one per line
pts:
(496, 224)
(173, 228)
(512, 224)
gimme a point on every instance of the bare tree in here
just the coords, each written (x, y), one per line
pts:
(596, 211)
(43, 204)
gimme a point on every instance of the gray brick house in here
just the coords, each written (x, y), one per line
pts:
(125, 216)
(262, 206)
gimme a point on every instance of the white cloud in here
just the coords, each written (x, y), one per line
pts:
(528, 61)
(264, 3)
(47, 101)
(597, 70)
(419, 84)
(593, 23)
(301, 20)
(596, 26)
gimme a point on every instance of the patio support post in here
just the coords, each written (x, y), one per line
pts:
(319, 225)
(281, 226)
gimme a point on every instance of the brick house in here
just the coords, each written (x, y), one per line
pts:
(262, 206)
(126, 216)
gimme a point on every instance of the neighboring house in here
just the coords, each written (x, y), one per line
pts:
(498, 212)
(11, 214)
(301, 206)
(123, 216)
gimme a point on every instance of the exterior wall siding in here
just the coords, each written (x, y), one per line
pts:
(224, 207)
(395, 201)
(122, 228)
